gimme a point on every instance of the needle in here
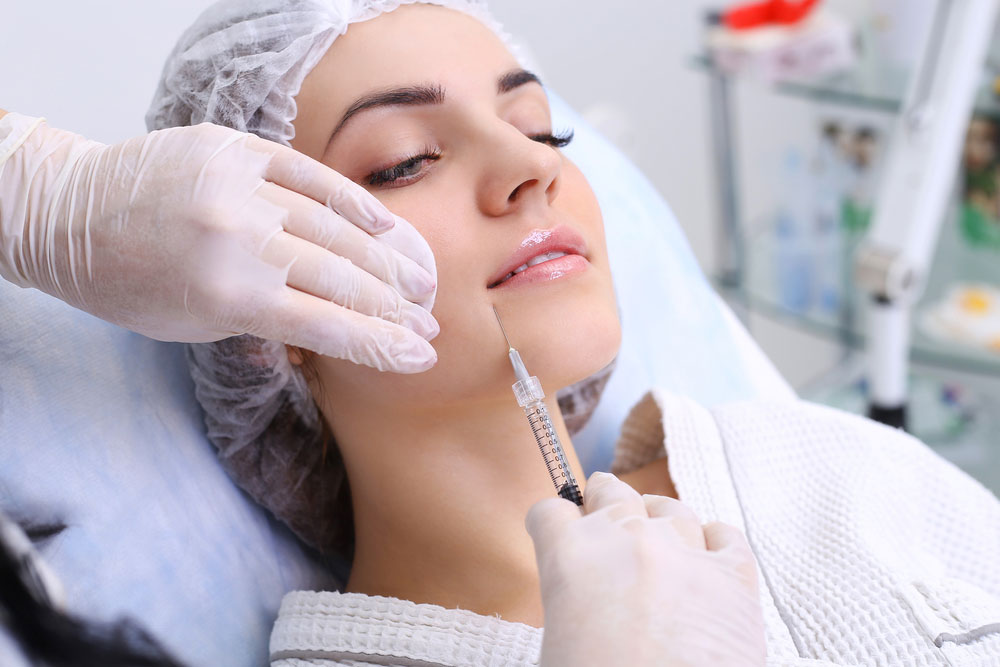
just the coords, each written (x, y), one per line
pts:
(509, 346)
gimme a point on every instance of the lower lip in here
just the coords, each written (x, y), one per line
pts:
(547, 271)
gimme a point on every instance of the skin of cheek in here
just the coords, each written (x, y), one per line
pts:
(565, 331)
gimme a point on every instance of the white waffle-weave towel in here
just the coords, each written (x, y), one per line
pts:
(872, 549)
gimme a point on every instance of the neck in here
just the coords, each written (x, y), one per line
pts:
(440, 498)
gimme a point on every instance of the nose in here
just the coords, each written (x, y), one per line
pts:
(518, 172)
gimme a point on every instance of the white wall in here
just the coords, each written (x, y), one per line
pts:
(92, 67)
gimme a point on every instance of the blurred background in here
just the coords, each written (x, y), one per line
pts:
(736, 131)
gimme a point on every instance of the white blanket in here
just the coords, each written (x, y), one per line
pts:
(872, 549)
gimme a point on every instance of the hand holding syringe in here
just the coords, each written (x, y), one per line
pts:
(638, 580)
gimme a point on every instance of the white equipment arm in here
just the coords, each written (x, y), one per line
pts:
(892, 264)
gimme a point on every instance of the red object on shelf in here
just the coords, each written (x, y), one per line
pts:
(756, 14)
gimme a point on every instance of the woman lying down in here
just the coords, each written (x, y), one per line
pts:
(869, 548)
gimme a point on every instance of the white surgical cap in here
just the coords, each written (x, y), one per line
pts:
(240, 65)
(243, 61)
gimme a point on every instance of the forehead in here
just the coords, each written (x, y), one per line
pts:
(418, 43)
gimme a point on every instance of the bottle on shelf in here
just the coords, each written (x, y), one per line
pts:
(793, 236)
(828, 175)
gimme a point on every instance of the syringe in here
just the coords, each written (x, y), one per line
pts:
(529, 395)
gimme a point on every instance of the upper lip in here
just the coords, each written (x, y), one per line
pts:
(560, 238)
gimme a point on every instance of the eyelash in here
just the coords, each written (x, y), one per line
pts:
(398, 171)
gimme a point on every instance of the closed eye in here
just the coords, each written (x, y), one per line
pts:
(403, 170)
(555, 140)
(406, 172)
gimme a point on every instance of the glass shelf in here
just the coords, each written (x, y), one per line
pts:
(750, 268)
(866, 85)
(845, 322)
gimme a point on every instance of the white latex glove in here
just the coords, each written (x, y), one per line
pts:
(637, 580)
(196, 234)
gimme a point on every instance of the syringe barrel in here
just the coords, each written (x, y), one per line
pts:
(528, 391)
(548, 443)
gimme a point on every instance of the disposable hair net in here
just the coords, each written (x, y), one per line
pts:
(240, 65)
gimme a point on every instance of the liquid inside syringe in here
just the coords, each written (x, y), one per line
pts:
(529, 395)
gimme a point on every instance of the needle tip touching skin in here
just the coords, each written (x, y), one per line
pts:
(507, 340)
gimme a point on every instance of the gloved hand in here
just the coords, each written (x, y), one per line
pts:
(195, 234)
(637, 580)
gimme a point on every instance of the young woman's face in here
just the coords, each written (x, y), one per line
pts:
(477, 174)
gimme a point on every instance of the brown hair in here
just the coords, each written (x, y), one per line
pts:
(341, 519)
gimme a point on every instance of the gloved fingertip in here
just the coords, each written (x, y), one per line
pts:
(421, 284)
(600, 478)
(430, 286)
(435, 331)
(605, 489)
(420, 322)
(547, 514)
(414, 366)
(415, 356)
(428, 363)
(382, 223)
(382, 218)
(365, 212)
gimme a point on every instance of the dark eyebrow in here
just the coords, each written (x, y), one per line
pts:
(421, 95)
(515, 78)
(409, 96)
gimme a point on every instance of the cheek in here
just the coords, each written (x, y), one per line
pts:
(451, 232)
(577, 198)
(457, 237)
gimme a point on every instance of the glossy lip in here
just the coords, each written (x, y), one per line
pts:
(560, 238)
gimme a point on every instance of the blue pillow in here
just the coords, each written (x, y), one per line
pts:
(101, 434)
(677, 333)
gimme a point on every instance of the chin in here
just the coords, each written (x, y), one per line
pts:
(565, 334)
(578, 357)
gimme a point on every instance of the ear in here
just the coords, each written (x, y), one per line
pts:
(295, 357)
